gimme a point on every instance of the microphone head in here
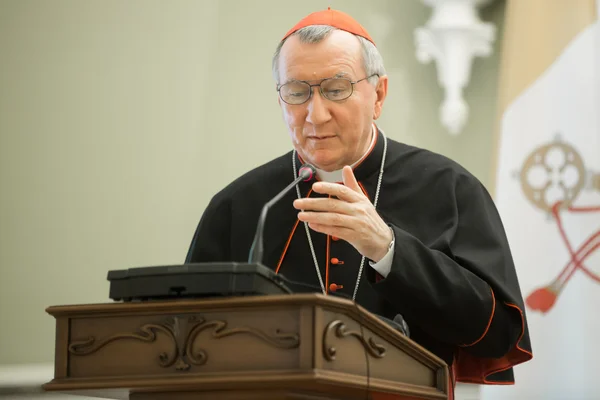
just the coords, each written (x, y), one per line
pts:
(308, 172)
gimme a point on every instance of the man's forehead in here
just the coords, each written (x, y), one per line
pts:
(337, 54)
(316, 77)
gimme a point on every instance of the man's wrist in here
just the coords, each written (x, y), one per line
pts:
(389, 245)
(384, 265)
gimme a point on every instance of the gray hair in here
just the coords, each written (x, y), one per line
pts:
(372, 60)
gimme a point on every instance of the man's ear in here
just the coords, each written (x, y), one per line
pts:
(381, 92)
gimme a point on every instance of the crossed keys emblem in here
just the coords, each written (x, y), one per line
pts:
(552, 177)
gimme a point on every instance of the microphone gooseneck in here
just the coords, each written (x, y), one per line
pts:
(306, 173)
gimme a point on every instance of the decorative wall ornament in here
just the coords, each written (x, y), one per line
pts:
(453, 36)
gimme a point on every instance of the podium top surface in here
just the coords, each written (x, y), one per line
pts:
(213, 303)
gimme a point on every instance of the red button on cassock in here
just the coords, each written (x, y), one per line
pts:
(334, 287)
(336, 261)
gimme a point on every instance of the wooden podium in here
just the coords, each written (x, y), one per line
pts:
(303, 346)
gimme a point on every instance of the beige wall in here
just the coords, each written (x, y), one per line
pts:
(120, 119)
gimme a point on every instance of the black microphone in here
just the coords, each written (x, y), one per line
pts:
(306, 173)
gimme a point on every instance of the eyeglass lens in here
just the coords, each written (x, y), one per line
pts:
(332, 89)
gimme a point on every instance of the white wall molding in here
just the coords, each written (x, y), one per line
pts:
(24, 382)
(25, 376)
(466, 391)
(453, 36)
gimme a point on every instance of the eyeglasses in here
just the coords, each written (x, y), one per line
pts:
(335, 89)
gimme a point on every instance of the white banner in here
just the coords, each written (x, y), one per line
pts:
(548, 194)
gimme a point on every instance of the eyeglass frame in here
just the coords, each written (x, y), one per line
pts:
(310, 88)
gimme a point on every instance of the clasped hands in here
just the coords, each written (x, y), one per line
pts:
(347, 214)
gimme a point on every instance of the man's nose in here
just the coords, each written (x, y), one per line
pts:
(318, 112)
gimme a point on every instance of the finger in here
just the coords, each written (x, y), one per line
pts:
(324, 205)
(337, 231)
(350, 180)
(326, 218)
(340, 191)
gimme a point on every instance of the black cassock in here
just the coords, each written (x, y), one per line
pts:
(452, 276)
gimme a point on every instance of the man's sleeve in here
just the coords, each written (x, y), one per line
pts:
(384, 265)
(211, 241)
(457, 293)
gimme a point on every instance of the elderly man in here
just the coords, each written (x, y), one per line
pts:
(399, 229)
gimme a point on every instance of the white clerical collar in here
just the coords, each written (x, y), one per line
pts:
(336, 176)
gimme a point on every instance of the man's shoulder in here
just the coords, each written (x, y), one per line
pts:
(433, 175)
(422, 160)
